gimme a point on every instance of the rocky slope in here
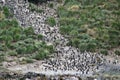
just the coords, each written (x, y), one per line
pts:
(66, 59)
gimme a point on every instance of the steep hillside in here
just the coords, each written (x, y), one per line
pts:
(19, 42)
(61, 39)
(91, 25)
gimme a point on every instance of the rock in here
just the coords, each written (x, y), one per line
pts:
(116, 78)
(90, 78)
(5, 64)
(13, 63)
(38, 78)
(27, 79)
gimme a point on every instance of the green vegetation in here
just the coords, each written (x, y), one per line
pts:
(33, 8)
(2, 16)
(50, 5)
(16, 41)
(117, 52)
(51, 21)
(59, 1)
(12, 53)
(91, 25)
(2, 57)
(104, 51)
(7, 12)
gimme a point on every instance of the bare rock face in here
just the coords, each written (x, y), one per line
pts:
(36, 76)
(32, 76)
(9, 75)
